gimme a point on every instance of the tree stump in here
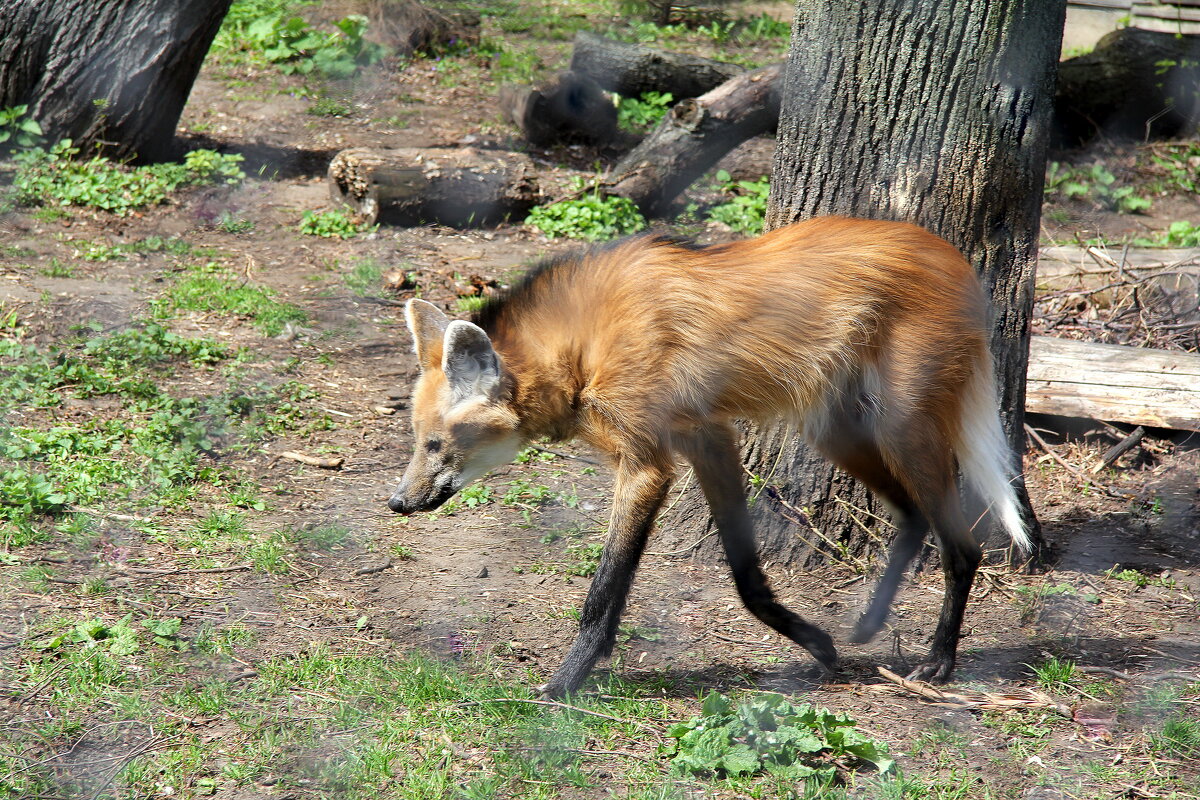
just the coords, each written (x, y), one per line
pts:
(568, 108)
(631, 69)
(459, 187)
(1136, 84)
(106, 72)
(694, 136)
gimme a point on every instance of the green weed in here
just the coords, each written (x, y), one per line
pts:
(264, 31)
(637, 114)
(16, 130)
(744, 213)
(469, 304)
(1180, 233)
(591, 217)
(769, 734)
(333, 223)
(325, 106)
(1095, 183)
(55, 177)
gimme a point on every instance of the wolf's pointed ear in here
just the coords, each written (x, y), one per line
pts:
(427, 324)
(469, 361)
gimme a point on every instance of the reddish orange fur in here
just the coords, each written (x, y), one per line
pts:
(871, 335)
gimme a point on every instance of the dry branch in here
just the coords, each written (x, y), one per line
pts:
(1019, 698)
(334, 462)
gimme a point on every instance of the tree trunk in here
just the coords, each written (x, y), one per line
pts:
(940, 116)
(461, 186)
(106, 72)
(1136, 84)
(694, 136)
(631, 69)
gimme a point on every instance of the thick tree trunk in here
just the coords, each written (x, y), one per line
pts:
(939, 115)
(631, 69)
(106, 72)
(694, 136)
(568, 108)
(461, 187)
(1136, 84)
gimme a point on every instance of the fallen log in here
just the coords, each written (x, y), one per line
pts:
(694, 135)
(633, 69)
(461, 187)
(1159, 388)
(1136, 84)
(571, 107)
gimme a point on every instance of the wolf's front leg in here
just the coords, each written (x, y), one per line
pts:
(639, 494)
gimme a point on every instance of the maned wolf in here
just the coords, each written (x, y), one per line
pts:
(870, 335)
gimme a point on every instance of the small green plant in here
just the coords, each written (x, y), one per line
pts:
(769, 734)
(54, 177)
(745, 212)
(1056, 674)
(263, 30)
(16, 131)
(584, 558)
(1180, 233)
(365, 279)
(636, 114)
(1139, 579)
(1095, 183)
(1179, 165)
(477, 494)
(333, 223)
(57, 269)
(231, 223)
(326, 106)
(592, 217)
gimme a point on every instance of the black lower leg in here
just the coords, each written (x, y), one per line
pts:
(906, 546)
(960, 561)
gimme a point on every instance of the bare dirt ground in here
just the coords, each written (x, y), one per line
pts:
(1118, 595)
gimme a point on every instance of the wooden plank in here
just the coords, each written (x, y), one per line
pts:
(1113, 382)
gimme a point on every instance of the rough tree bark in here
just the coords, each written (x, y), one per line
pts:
(934, 113)
(106, 72)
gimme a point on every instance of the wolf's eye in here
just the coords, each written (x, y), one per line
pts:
(433, 445)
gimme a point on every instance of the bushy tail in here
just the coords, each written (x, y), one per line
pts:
(986, 459)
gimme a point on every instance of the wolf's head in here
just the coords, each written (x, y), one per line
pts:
(462, 420)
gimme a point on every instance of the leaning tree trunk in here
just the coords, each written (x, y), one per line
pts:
(939, 116)
(106, 72)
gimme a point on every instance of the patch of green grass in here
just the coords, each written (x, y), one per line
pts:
(1056, 674)
(365, 278)
(322, 536)
(231, 223)
(743, 213)
(469, 304)
(326, 106)
(57, 269)
(55, 177)
(1179, 165)
(591, 217)
(1179, 737)
(333, 223)
(214, 289)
